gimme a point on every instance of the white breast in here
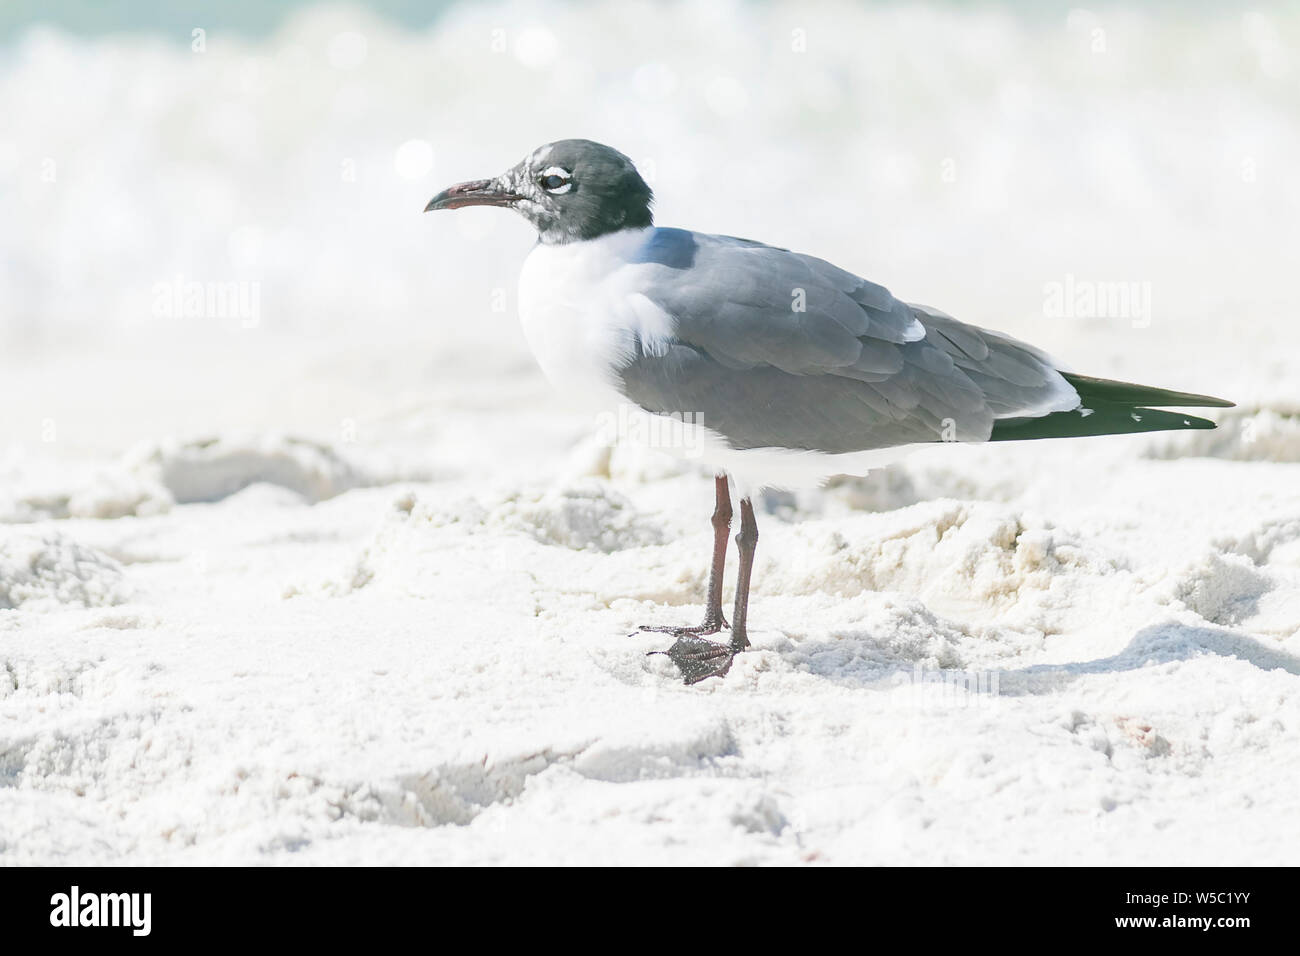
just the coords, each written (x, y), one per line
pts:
(582, 308)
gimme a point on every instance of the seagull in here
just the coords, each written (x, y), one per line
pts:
(779, 369)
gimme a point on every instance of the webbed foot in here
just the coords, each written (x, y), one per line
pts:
(699, 659)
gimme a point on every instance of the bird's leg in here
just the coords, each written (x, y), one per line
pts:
(697, 658)
(746, 544)
(714, 620)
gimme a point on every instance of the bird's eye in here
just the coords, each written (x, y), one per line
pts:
(555, 180)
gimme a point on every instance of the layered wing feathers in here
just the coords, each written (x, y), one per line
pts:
(775, 349)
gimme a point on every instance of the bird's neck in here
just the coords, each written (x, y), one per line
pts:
(609, 222)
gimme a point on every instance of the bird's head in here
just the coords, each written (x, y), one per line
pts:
(570, 190)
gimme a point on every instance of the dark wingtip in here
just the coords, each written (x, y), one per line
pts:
(1127, 393)
(1102, 419)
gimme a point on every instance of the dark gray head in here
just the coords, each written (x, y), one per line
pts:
(571, 189)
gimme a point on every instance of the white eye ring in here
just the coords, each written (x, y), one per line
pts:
(558, 172)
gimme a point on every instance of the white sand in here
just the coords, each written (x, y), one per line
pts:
(348, 584)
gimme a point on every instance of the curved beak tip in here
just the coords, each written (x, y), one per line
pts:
(480, 192)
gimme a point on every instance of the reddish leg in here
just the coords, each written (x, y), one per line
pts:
(714, 620)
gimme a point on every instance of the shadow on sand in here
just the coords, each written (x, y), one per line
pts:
(857, 659)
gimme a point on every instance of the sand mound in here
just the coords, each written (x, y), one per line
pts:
(48, 571)
(216, 468)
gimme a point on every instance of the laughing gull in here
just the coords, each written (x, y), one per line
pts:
(782, 368)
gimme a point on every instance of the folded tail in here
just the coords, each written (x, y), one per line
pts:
(1110, 408)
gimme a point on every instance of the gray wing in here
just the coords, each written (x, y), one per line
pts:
(771, 348)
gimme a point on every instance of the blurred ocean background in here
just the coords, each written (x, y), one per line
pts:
(965, 155)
